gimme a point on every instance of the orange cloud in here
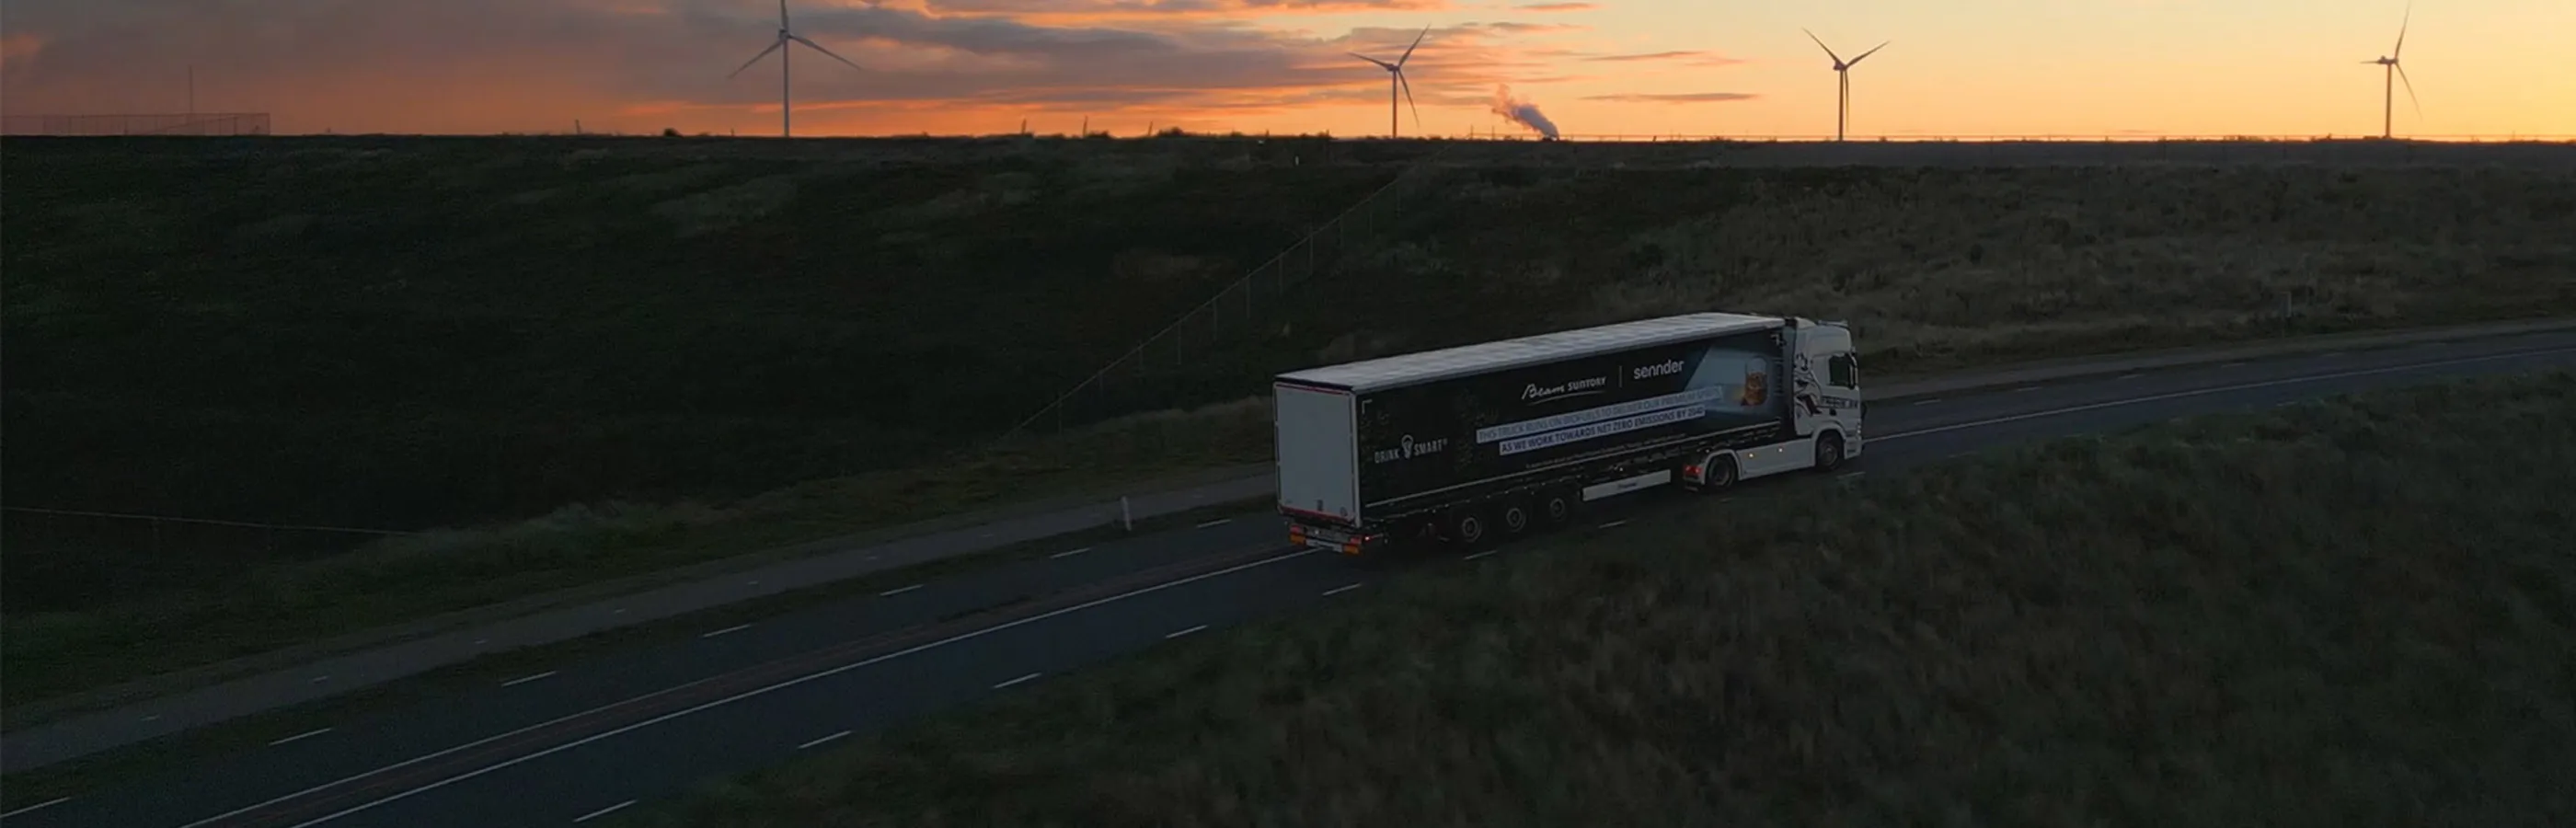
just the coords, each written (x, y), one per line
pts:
(1557, 7)
(1692, 58)
(1674, 97)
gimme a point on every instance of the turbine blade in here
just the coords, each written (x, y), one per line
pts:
(1872, 51)
(2410, 91)
(773, 46)
(1417, 43)
(819, 48)
(1380, 63)
(1408, 101)
(1820, 44)
(2401, 31)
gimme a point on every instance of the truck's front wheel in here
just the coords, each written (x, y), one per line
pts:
(1829, 451)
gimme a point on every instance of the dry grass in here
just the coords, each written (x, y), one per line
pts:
(2340, 614)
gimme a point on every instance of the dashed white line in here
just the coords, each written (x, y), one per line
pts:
(300, 736)
(898, 590)
(153, 717)
(37, 807)
(700, 707)
(1070, 552)
(482, 641)
(1927, 402)
(2132, 375)
(1021, 680)
(1185, 632)
(604, 811)
(321, 679)
(2230, 364)
(525, 679)
(2330, 355)
(1617, 523)
(618, 611)
(1216, 522)
(1480, 554)
(1342, 589)
(732, 629)
(2025, 388)
(823, 740)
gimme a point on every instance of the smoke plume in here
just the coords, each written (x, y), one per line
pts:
(1523, 112)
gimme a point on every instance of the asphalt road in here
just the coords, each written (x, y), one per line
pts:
(556, 746)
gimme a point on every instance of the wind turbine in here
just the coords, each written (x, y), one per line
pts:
(786, 35)
(1396, 81)
(2390, 73)
(1842, 79)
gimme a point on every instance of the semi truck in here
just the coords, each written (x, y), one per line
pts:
(1471, 445)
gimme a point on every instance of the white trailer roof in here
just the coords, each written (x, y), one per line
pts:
(1407, 369)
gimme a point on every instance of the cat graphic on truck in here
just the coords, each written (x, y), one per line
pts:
(1473, 444)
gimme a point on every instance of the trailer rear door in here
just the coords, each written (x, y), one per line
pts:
(1318, 452)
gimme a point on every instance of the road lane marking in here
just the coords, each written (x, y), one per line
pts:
(1480, 554)
(2243, 386)
(300, 737)
(1341, 589)
(1020, 680)
(1852, 475)
(898, 590)
(321, 679)
(2025, 388)
(525, 679)
(823, 740)
(1216, 522)
(2231, 364)
(604, 811)
(1172, 635)
(752, 693)
(1927, 402)
(732, 629)
(1070, 552)
(1616, 523)
(36, 807)
(2131, 375)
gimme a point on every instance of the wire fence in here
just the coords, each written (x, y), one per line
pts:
(1190, 359)
(214, 123)
(32, 527)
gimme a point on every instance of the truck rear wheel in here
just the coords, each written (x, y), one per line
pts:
(1718, 472)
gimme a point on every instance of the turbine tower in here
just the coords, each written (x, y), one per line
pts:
(780, 45)
(1842, 80)
(1396, 81)
(2390, 74)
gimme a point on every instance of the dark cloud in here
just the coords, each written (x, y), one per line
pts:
(1674, 97)
(415, 64)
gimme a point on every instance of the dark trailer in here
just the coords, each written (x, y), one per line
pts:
(1443, 442)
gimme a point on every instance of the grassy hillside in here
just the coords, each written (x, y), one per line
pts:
(2354, 612)
(423, 332)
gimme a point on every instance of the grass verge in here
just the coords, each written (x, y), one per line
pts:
(90, 773)
(2353, 612)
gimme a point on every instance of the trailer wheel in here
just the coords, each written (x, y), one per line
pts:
(1557, 506)
(1516, 518)
(1468, 528)
(1829, 451)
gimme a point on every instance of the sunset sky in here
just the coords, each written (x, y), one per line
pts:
(1602, 67)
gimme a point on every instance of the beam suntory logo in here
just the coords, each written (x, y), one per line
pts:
(1408, 448)
(1586, 385)
(1664, 368)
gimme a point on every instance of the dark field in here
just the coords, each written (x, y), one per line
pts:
(713, 346)
(2350, 613)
